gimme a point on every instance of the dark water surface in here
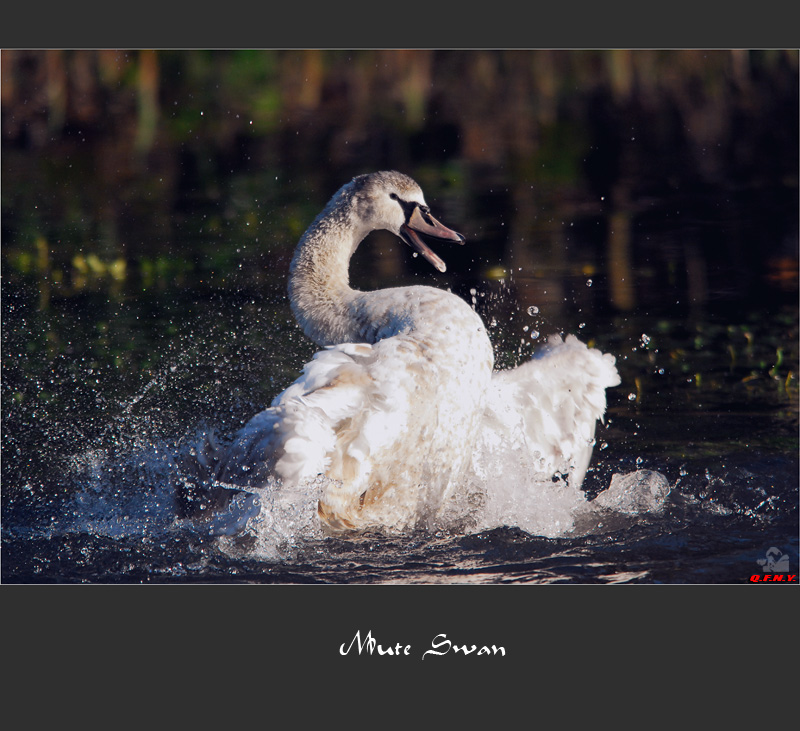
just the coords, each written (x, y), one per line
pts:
(89, 476)
(142, 306)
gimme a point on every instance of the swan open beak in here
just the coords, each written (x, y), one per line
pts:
(419, 223)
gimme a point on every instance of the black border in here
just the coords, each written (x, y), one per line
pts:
(504, 24)
(267, 650)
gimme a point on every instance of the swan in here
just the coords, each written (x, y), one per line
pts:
(401, 400)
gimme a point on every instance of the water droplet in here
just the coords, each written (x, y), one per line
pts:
(631, 397)
(533, 310)
(645, 339)
(588, 282)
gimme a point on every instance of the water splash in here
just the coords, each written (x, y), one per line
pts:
(132, 488)
(126, 487)
(643, 491)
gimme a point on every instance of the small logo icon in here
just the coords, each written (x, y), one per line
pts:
(776, 562)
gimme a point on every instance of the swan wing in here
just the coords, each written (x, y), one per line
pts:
(548, 407)
(293, 439)
(345, 417)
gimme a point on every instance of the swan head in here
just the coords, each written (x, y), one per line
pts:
(395, 202)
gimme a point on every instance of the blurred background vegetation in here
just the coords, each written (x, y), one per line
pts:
(154, 164)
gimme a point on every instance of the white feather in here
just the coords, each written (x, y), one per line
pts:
(548, 407)
(402, 402)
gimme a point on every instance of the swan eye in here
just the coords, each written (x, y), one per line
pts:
(408, 207)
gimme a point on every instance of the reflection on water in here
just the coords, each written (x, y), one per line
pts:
(646, 201)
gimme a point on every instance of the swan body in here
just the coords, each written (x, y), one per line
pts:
(401, 402)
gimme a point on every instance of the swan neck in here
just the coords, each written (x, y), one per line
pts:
(319, 280)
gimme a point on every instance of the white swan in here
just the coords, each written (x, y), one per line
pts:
(402, 401)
